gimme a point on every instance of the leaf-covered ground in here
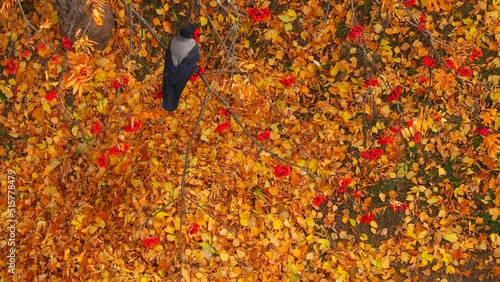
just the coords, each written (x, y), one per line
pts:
(375, 153)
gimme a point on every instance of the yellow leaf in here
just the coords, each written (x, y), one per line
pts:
(467, 21)
(101, 104)
(450, 269)
(100, 75)
(335, 70)
(309, 222)
(136, 183)
(324, 244)
(287, 145)
(97, 16)
(447, 258)
(249, 66)
(77, 222)
(53, 163)
(385, 262)
(290, 16)
(385, 110)
(233, 19)
(46, 107)
(269, 255)
(352, 222)
(343, 87)
(46, 25)
(100, 222)
(143, 53)
(405, 256)
(203, 21)
(495, 213)
(345, 218)
(363, 237)
(271, 34)
(452, 237)
(161, 215)
(224, 256)
(472, 32)
(426, 258)
(382, 196)
(74, 130)
(346, 116)
(51, 192)
(442, 213)
(441, 171)
(277, 224)
(496, 4)
(274, 190)
(102, 62)
(54, 19)
(284, 18)
(313, 165)
(432, 200)
(244, 216)
(254, 231)
(42, 145)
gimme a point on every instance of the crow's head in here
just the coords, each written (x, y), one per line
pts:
(187, 31)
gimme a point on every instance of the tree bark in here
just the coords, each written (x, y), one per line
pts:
(75, 20)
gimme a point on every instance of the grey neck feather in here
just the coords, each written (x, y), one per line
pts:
(180, 48)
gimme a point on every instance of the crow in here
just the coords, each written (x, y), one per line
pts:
(180, 63)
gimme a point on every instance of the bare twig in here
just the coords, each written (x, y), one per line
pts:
(212, 24)
(131, 46)
(257, 143)
(184, 174)
(28, 25)
(86, 28)
(353, 12)
(235, 9)
(222, 6)
(146, 24)
(327, 10)
(191, 12)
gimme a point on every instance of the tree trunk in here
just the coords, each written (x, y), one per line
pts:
(75, 20)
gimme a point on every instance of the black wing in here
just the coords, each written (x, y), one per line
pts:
(176, 77)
